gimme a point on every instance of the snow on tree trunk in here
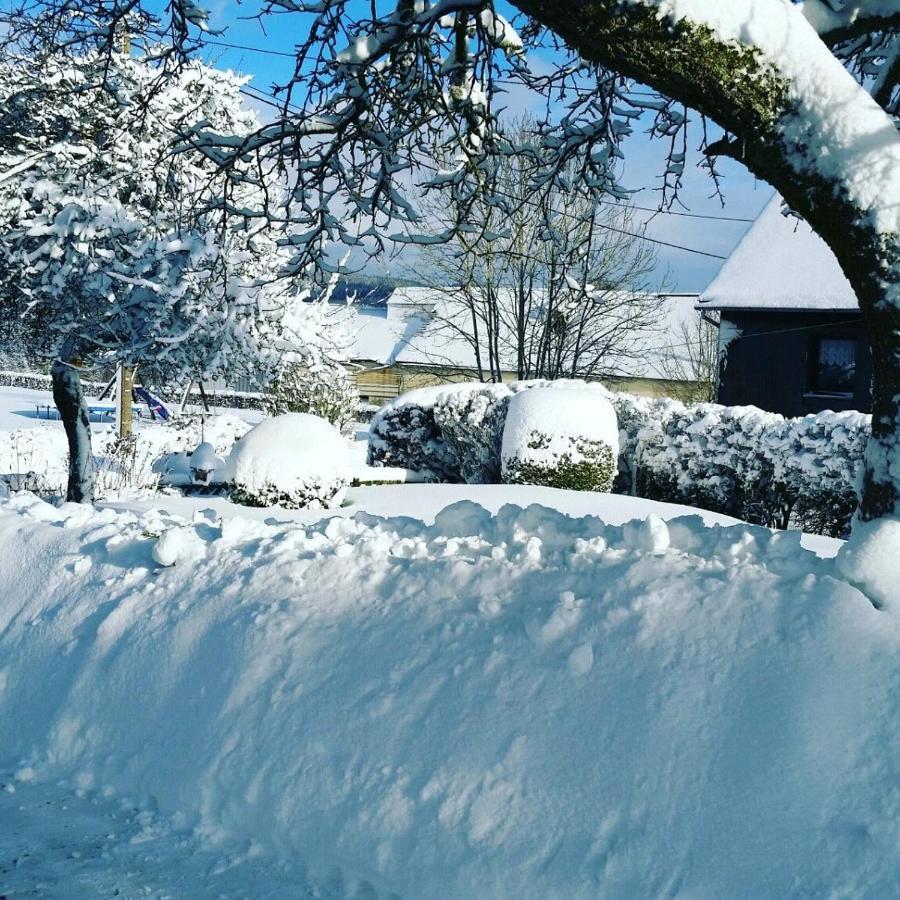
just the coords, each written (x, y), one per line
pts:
(881, 487)
(69, 399)
(799, 121)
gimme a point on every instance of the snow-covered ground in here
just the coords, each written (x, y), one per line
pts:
(437, 691)
(66, 843)
(449, 702)
(26, 408)
(33, 442)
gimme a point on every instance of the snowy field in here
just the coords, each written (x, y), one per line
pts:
(22, 408)
(462, 691)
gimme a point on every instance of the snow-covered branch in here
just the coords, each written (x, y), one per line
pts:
(839, 20)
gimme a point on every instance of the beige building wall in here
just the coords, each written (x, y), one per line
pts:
(377, 384)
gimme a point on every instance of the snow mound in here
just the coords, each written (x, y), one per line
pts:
(561, 436)
(178, 545)
(520, 704)
(871, 560)
(204, 457)
(294, 460)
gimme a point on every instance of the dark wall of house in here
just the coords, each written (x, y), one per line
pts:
(771, 364)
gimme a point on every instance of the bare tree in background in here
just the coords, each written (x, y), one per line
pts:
(558, 288)
(691, 359)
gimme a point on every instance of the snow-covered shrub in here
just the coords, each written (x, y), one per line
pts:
(38, 382)
(453, 432)
(741, 461)
(295, 460)
(124, 463)
(820, 460)
(405, 435)
(755, 465)
(34, 459)
(470, 424)
(322, 389)
(565, 437)
(713, 457)
(640, 421)
(190, 429)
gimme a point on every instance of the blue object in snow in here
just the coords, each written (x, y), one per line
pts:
(155, 406)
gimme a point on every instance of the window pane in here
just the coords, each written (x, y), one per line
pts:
(836, 370)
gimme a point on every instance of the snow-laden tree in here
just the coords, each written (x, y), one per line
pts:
(806, 95)
(118, 247)
(321, 388)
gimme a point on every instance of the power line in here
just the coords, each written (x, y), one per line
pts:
(251, 49)
(798, 328)
(675, 212)
(740, 337)
(641, 237)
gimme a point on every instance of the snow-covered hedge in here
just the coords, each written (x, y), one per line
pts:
(403, 434)
(37, 382)
(223, 399)
(819, 459)
(295, 460)
(756, 465)
(560, 437)
(741, 461)
(633, 415)
(471, 425)
(715, 457)
(452, 432)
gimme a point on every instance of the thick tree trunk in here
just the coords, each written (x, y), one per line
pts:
(881, 485)
(69, 398)
(749, 95)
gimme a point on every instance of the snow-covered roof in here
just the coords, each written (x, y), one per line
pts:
(780, 263)
(406, 334)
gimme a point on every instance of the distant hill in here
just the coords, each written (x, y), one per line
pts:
(368, 290)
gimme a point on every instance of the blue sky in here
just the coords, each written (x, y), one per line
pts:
(684, 271)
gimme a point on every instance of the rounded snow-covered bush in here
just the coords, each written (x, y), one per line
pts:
(562, 436)
(296, 460)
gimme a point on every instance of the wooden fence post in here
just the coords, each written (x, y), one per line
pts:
(124, 386)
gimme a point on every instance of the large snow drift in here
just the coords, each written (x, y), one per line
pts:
(513, 705)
